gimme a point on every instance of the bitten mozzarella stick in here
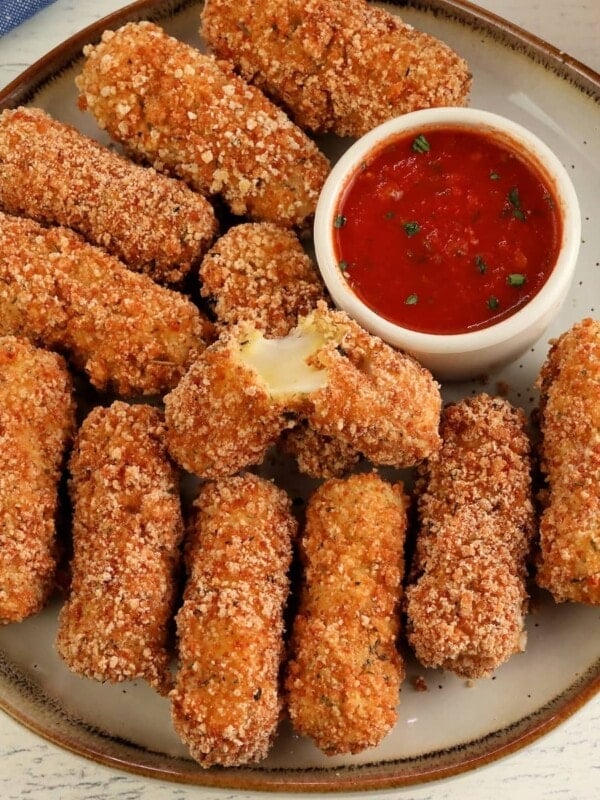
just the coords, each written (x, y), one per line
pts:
(466, 608)
(126, 332)
(344, 676)
(569, 559)
(342, 66)
(36, 424)
(190, 115)
(226, 702)
(52, 173)
(127, 528)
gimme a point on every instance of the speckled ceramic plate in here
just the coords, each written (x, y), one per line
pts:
(452, 726)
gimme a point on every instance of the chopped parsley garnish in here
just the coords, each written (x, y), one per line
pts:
(493, 303)
(516, 279)
(420, 144)
(480, 264)
(339, 221)
(343, 266)
(411, 228)
(412, 300)
(494, 176)
(515, 200)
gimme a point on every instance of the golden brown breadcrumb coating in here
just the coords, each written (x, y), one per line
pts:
(376, 400)
(190, 115)
(36, 424)
(569, 560)
(126, 332)
(226, 702)
(259, 273)
(52, 173)
(317, 455)
(342, 66)
(466, 608)
(343, 679)
(246, 389)
(221, 417)
(127, 528)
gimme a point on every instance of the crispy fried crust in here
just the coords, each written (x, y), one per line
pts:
(220, 417)
(259, 273)
(377, 400)
(52, 173)
(343, 679)
(127, 527)
(226, 702)
(569, 561)
(190, 115)
(36, 424)
(466, 608)
(317, 455)
(342, 66)
(128, 333)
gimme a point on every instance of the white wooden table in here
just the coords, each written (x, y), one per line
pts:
(565, 764)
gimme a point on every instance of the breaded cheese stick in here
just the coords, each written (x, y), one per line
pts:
(56, 175)
(343, 679)
(125, 331)
(246, 389)
(467, 602)
(37, 420)
(259, 273)
(569, 558)
(318, 455)
(190, 115)
(226, 702)
(340, 66)
(127, 528)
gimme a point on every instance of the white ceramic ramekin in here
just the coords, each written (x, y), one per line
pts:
(463, 355)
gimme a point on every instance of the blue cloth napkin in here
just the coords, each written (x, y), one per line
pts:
(14, 12)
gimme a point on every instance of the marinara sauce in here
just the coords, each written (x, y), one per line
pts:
(446, 231)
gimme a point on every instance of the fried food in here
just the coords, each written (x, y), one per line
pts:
(260, 273)
(226, 702)
(340, 66)
(467, 600)
(56, 175)
(36, 425)
(317, 455)
(128, 334)
(191, 116)
(127, 528)
(246, 389)
(569, 559)
(343, 679)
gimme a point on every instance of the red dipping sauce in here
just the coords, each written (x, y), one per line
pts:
(446, 231)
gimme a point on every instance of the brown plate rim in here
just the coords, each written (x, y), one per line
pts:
(367, 777)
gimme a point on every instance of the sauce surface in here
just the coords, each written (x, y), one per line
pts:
(446, 231)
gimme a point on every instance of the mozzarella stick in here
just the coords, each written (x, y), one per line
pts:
(467, 601)
(127, 528)
(226, 702)
(343, 679)
(259, 273)
(190, 115)
(340, 66)
(569, 557)
(36, 425)
(128, 334)
(52, 173)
